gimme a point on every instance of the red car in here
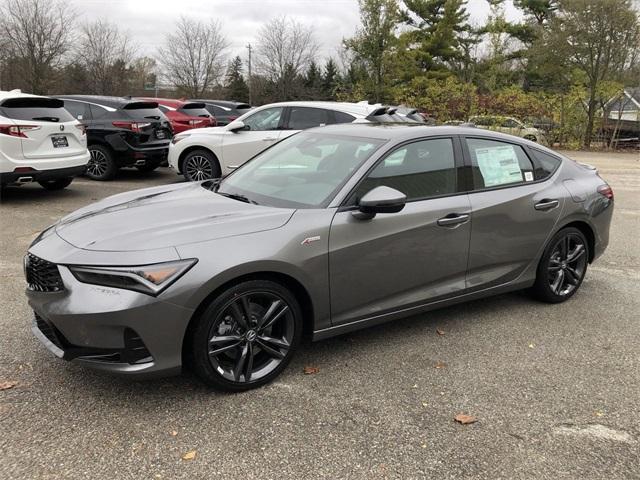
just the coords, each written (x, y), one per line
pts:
(184, 115)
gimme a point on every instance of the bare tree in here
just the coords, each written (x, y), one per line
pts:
(105, 52)
(285, 50)
(37, 34)
(193, 58)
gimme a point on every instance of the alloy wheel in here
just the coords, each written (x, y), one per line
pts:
(567, 264)
(198, 168)
(98, 164)
(251, 336)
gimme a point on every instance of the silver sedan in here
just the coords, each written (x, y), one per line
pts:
(331, 230)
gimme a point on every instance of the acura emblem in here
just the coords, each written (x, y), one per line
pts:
(62, 128)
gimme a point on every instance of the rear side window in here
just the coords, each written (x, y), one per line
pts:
(495, 163)
(98, 112)
(341, 117)
(195, 112)
(419, 170)
(546, 164)
(301, 118)
(145, 113)
(35, 109)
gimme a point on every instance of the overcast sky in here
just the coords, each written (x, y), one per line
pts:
(148, 20)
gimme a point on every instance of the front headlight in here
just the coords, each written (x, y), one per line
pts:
(179, 137)
(149, 279)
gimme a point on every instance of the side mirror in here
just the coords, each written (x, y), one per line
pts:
(235, 126)
(380, 200)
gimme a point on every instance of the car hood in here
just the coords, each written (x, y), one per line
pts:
(165, 216)
(207, 131)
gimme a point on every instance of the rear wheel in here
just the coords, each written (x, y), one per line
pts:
(200, 165)
(102, 165)
(247, 335)
(57, 184)
(562, 267)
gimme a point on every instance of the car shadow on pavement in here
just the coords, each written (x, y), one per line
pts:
(33, 192)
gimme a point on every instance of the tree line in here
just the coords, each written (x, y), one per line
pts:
(560, 63)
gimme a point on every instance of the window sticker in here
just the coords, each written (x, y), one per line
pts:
(528, 176)
(498, 165)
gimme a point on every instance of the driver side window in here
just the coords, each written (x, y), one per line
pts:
(268, 119)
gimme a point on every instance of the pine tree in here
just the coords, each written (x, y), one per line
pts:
(330, 80)
(235, 85)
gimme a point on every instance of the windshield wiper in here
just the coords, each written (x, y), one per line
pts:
(237, 196)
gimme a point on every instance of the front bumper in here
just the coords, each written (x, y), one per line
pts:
(110, 329)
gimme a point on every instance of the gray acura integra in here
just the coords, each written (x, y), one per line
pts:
(331, 230)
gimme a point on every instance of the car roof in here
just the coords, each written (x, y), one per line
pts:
(14, 94)
(112, 102)
(399, 132)
(360, 109)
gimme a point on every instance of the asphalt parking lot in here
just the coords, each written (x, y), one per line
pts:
(555, 389)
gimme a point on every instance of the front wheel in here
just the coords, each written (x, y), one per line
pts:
(562, 267)
(200, 165)
(247, 335)
(57, 184)
(102, 165)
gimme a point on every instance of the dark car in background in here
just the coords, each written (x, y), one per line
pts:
(225, 111)
(121, 132)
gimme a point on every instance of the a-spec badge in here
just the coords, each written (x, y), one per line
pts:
(310, 240)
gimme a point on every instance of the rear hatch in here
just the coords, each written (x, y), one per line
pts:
(149, 122)
(47, 130)
(201, 116)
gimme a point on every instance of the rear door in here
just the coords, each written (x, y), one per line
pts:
(262, 129)
(47, 129)
(514, 210)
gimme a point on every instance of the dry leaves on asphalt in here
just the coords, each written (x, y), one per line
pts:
(465, 419)
(440, 365)
(311, 370)
(189, 455)
(439, 331)
(7, 385)
(173, 433)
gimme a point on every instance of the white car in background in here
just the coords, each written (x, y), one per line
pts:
(40, 141)
(205, 153)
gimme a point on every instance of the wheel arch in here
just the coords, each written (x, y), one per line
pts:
(293, 284)
(193, 148)
(587, 231)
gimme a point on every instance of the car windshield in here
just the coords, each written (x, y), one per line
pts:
(303, 171)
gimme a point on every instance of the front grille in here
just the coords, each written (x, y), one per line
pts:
(42, 276)
(51, 332)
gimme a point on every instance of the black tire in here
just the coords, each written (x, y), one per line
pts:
(266, 348)
(148, 167)
(200, 165)
(562, 267)
(57, 184)
(102, 165)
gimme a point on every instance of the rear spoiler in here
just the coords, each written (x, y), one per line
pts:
(381, 111)
(193, 105)
(32, 102)
(140, 105)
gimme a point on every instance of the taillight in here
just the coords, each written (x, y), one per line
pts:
(17, 130)
(606, 191)
(133, 126)
(82, 128)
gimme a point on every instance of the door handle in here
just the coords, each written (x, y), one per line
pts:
(546, 204)
(269, 139)
(453, 219)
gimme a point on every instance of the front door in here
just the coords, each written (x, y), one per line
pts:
(404, 259)
(262, 129)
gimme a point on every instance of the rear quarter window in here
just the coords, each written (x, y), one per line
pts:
(546, 164)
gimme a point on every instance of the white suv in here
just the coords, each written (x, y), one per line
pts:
(40, 141)
(204, 153)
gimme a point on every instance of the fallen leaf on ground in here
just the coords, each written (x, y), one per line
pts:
(465, 419)
(531, 345)
(7, 385)
(439, 332)
(174, 433)
(425, 404)
(440, 365)
(311, 370)
(189, 455)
